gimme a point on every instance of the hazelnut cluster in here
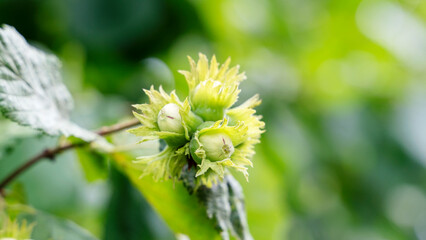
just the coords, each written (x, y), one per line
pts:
(204, 128)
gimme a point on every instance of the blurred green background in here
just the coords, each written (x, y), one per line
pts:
(344, 102)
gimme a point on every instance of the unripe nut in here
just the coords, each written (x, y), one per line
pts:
(218, 146)
(169, 119)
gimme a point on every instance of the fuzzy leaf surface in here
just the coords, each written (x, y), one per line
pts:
(31, 88)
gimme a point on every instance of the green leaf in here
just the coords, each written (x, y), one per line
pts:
(135, 218)
(94, 164)
(198, 212)
(49, 227)
(31, 88)
(16, 194)
(180, 210)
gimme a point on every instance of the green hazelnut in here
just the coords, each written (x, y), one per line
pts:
(218, 146)
(169, 119)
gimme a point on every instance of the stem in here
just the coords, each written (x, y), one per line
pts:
(51, 153)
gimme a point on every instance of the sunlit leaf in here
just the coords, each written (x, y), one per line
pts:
(94, 164)
(180, 210)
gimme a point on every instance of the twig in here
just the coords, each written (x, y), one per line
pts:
(51, 153)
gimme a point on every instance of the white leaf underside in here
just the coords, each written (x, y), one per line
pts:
(31, 88)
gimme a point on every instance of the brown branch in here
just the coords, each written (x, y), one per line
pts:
(51, 153)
